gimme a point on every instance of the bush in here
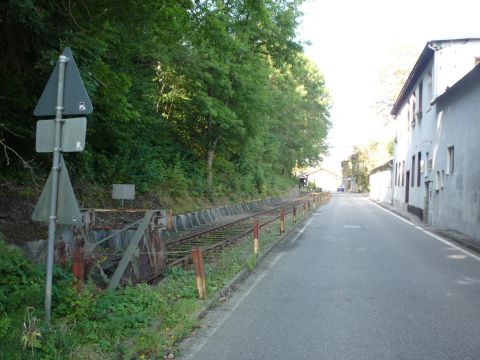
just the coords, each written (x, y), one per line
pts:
(21, 281)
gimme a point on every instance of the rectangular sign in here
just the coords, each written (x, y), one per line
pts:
(73, 135)
(123, 191)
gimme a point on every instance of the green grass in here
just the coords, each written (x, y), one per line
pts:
(136, 322)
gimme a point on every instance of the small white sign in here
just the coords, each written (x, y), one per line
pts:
(123, 191)
(73, 135)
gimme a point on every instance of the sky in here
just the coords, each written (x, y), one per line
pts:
(352, 41)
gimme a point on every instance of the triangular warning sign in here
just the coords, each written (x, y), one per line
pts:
(75, 97)
(68, 212)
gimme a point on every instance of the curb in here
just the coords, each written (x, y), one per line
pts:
(462, 240)
(468, 244)
(396, 212)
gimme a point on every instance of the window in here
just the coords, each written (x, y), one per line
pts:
(430, 86)
(420, 99)
(409, 115)
(413, 171)
(403, 172)
(413, 110)
(439, 183)
(451, 160)
(420, 167)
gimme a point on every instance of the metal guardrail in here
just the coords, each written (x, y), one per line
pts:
(236, 237)
(142, 256)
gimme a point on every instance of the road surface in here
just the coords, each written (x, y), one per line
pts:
(356, 282)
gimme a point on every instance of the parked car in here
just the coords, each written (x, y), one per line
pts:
(341, 188)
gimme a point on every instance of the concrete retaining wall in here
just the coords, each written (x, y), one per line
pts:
(189, 221)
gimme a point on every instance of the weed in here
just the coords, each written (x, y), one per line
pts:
(131, 322)
(251, 263)
(31, 334)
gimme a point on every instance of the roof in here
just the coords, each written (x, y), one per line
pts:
(422, 62)
(470, 76)
(386, 166)
(315, 171)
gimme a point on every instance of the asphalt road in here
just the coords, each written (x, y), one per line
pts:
(355, 283)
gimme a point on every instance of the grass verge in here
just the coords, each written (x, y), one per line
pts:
(136, 322)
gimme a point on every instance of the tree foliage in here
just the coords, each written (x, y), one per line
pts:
(393, 75)
(208, 97)
(357, 167)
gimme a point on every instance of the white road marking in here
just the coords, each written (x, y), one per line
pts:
(436, 237)
(352, 226)
(301, 231)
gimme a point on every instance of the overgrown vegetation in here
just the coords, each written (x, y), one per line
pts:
(356, 168)
(205, 98)
(134, 322)
(192, 100)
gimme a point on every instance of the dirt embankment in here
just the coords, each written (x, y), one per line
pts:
(16, 207)
(17, 203)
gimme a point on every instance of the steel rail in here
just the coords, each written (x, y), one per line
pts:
(187, 238)
(232, 239)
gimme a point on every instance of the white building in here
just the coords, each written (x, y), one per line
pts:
(380, 180)
(323, 178)
(435, 174)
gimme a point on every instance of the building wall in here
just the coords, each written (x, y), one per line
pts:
(452, 122)
(325, 180)
(414, 136)
(452, 61)
(456, 203)
(381, 186)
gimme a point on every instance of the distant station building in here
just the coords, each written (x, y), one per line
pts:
(320, 178)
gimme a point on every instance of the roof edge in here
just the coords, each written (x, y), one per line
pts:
(420, 65)
(385, 166)
(422, 62)
(468, 76)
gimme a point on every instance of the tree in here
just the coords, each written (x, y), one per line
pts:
(356, 168)
(208, 97)
(393, 75)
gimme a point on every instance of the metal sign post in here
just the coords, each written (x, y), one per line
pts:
(64, 95)
(52, 219)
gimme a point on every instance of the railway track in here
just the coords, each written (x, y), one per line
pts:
(179, 251)
(143, 256)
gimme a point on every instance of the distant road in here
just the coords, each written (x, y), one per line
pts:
(357, 283)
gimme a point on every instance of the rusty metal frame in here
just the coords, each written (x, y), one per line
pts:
(148, 231)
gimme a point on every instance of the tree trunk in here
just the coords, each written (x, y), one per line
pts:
(210, 156)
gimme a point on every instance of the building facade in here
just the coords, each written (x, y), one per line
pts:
(380, 180)
(437, 115)
(322, 178)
